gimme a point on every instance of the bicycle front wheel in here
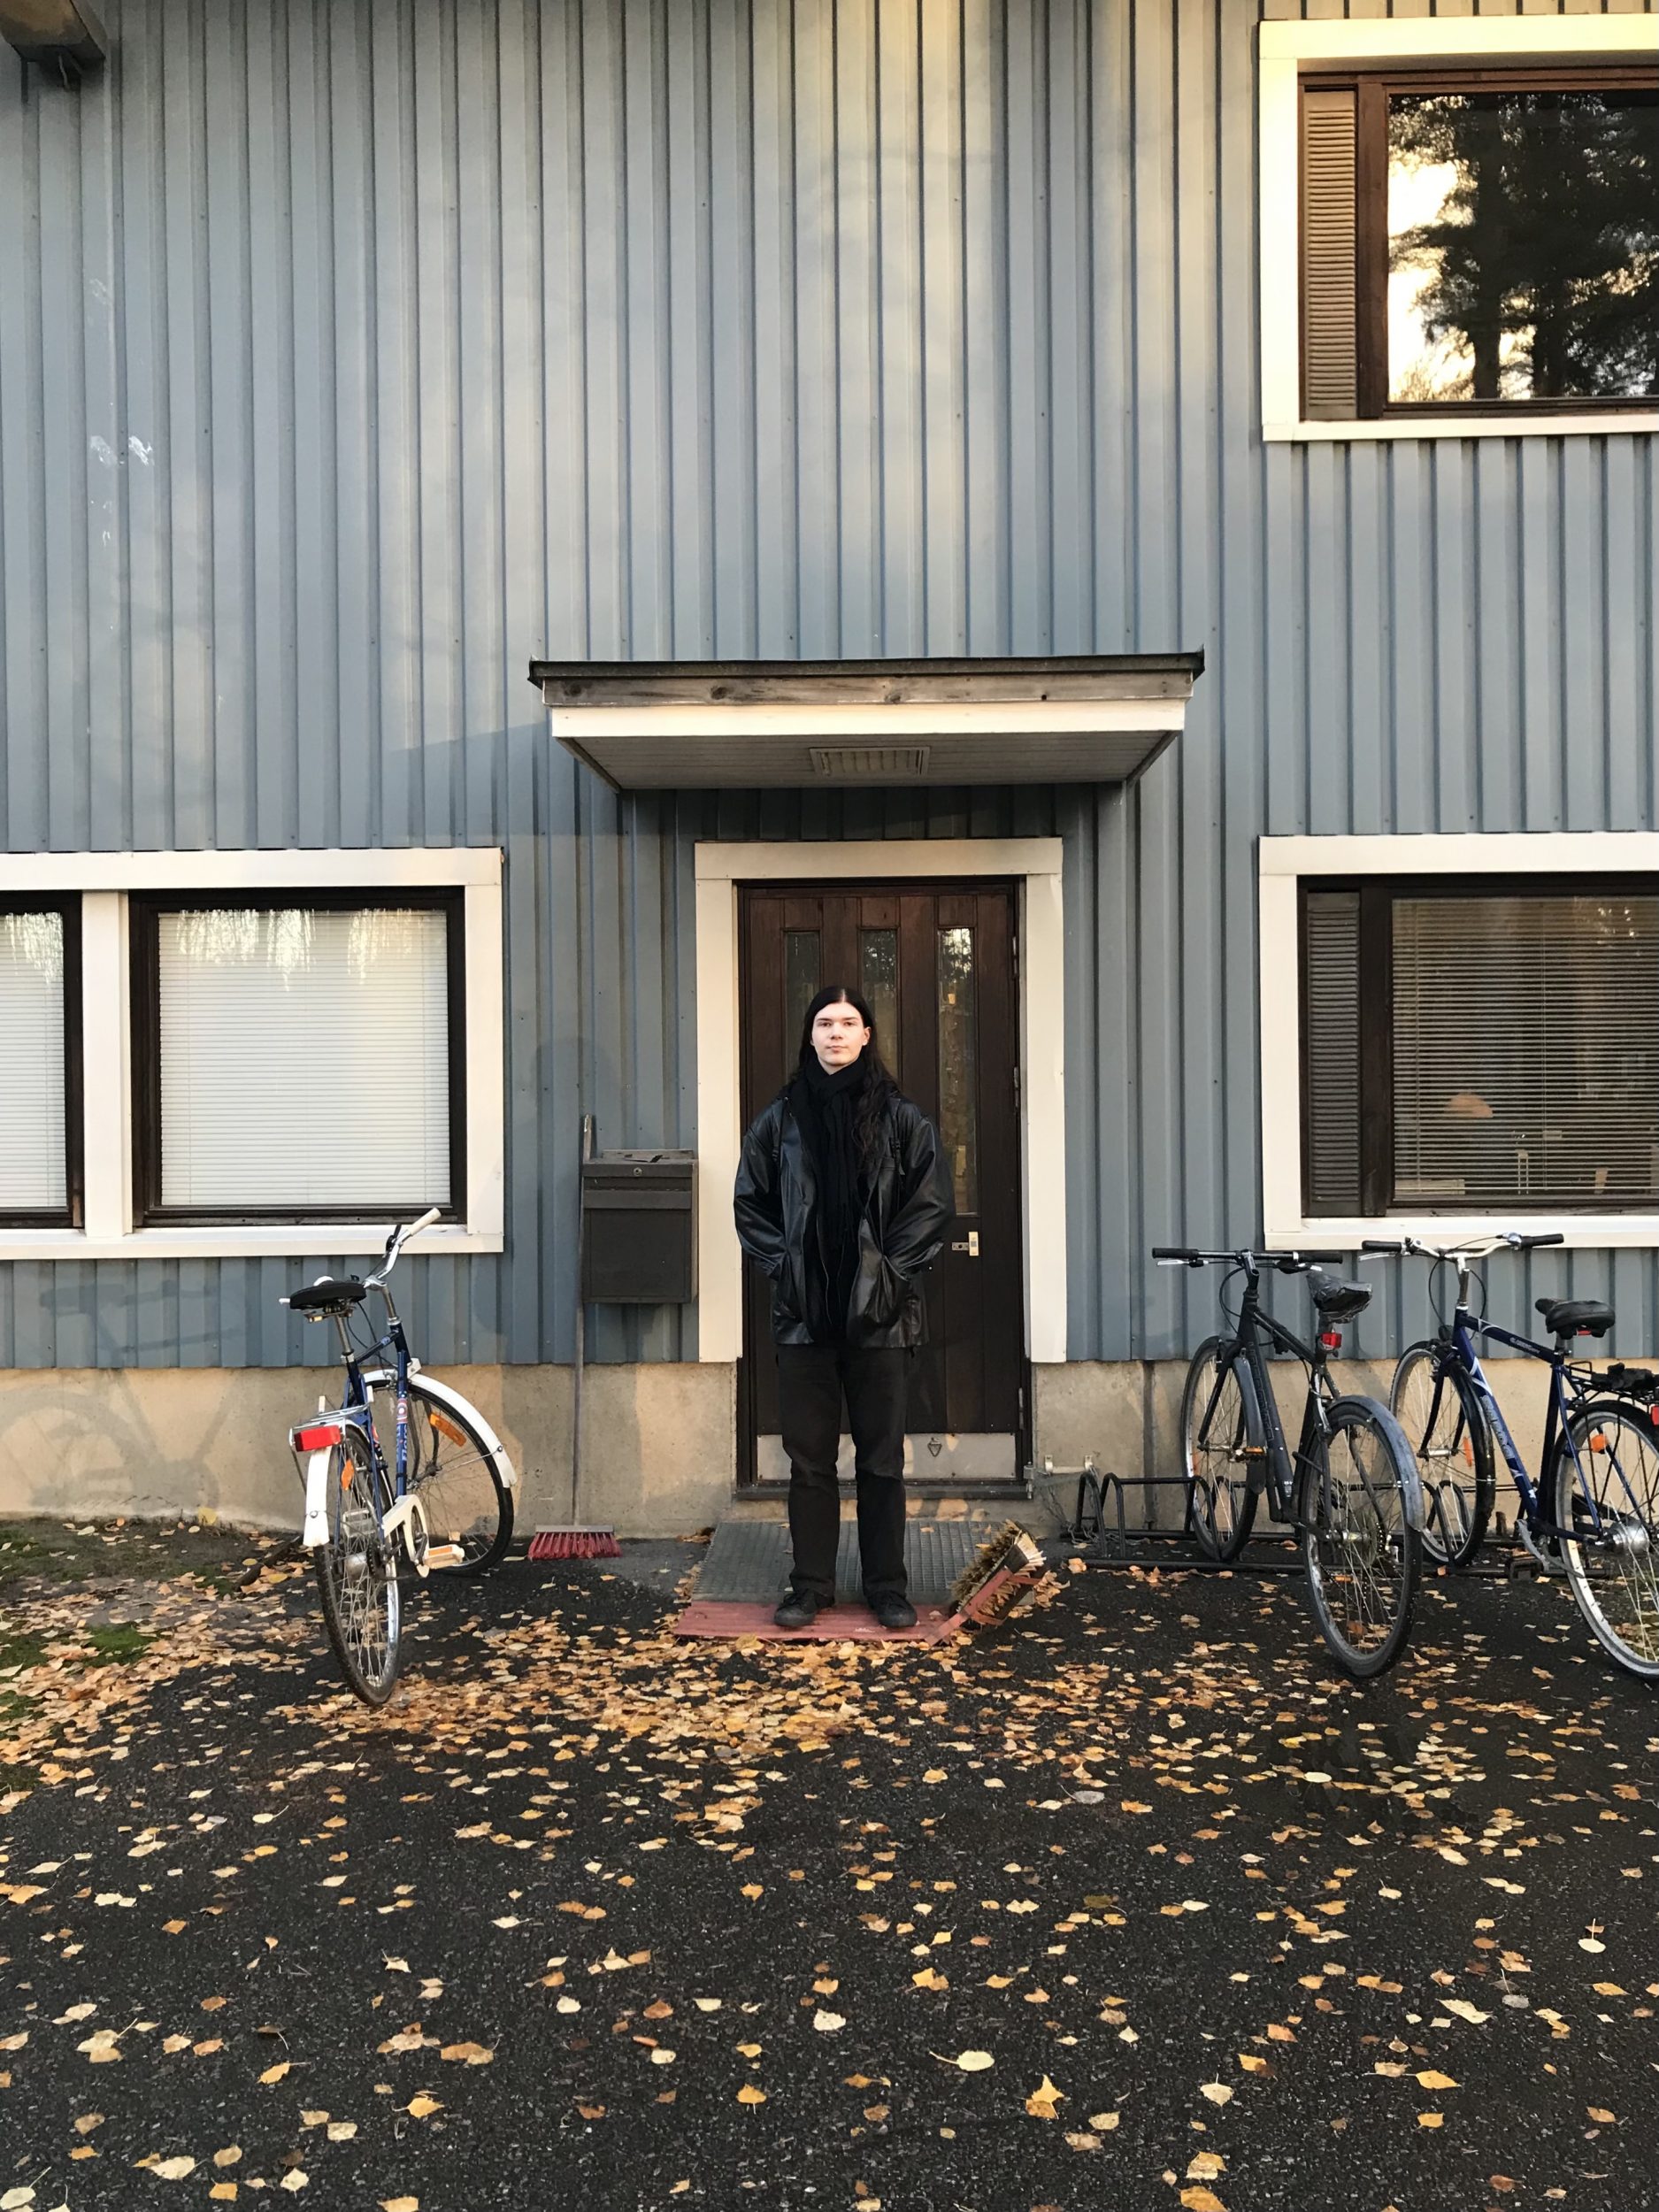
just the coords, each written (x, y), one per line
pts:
(1437, 1407)
(453, 1471)
(1361, 1554)
(1219, 1446)
(357, 1571)
(1605, 1492)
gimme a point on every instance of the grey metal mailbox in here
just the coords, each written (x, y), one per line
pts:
(640, 1229)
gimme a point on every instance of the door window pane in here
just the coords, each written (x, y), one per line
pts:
(879, 981)
(802, 973)
(304, 1059)
(1522, 244)
(959, 1066)
(34, 1176)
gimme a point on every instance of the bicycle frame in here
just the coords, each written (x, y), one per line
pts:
(1567, 1392)
(1276, 1476)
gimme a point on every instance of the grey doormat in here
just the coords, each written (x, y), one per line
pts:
(747, 1560)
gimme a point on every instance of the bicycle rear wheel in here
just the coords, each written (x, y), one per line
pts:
(356, 1572)
(1445, 1428)
(1219, 1446)
(454, 1473)
(1608, 1498)
(1362, 1556)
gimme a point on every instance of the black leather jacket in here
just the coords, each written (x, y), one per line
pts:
(902, 1231)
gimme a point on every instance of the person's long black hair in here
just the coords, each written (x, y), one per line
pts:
(878, 1087)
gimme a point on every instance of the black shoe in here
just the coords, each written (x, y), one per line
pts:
(894, 1611)
(801, 1609)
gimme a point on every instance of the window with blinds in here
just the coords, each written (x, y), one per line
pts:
(35, 1122)
(1494, 1050)
(301, 1061)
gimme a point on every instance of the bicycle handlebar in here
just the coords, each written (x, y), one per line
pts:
(1511, 1239)
(396, 1240)
(1286, 1263)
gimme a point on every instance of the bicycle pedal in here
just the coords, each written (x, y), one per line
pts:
(445, 1555)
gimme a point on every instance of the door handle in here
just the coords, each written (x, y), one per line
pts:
(969, 1244)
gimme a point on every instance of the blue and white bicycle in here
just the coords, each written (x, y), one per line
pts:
(403, 1465)
(1593, 1513)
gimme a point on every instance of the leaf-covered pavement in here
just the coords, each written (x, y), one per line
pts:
(1134, 1901)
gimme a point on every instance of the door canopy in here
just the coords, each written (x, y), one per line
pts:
(654, 725)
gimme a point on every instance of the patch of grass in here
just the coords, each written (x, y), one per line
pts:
(120, 1642)
(162, 1551)
(20, 1649)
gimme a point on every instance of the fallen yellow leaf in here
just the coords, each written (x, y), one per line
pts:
(1104, 2122)
(467, 2054)
(1044, 2100)
(422, 2106)
(1198, 2199)
(275, 2073)
(1601, 2118)
(1432, 2079)
(1252, 2062)
(1431, 2119)
(749, 2095)
(399, 2204)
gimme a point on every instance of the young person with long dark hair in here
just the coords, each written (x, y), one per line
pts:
(844, 1199)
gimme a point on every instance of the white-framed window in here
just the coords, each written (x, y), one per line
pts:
(1460, 1033)
(259, 1052)
(39, 1062)
(1460, 226)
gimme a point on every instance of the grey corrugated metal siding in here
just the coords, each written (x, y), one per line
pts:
(352, 355)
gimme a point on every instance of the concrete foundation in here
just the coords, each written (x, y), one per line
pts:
(1128, 1414)
(660, 1440)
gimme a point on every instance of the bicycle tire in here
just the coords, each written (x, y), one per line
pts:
(1616, 1587)
(1223, 1536)
(1360, 1522)
(480, 1505)
(362, 1607)
(1452, 1532)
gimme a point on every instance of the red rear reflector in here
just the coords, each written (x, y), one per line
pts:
(1331, 1339)
(320, 1436)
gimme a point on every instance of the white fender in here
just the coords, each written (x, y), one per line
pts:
(316, 1529)
(444, 1394)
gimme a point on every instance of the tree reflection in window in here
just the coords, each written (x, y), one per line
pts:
(1523, 245)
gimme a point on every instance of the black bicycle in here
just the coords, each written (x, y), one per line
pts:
(1350, 1491)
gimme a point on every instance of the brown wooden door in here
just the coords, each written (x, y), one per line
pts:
(937, 966)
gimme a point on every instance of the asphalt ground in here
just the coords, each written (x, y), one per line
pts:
(1134, 1901)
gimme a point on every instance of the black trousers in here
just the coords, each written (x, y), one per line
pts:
(811, 1379)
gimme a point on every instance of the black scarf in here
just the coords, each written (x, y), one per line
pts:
(827, 1106)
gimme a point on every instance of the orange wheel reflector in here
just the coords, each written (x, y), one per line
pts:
(447, 1427)
(1469, 1452)
(1598, 1441)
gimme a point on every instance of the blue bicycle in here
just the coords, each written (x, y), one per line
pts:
(433, 1482)
(1594, 1514)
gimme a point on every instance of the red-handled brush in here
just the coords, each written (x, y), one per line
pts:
(574, 1542)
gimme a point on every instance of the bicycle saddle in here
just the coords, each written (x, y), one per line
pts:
(327, 1292)
(1336, 1300)
(1575, 1316)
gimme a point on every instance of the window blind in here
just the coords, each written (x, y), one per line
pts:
(304, 1059)
(1526, 1050)
(1330, 1078)
(1330, 242)
(33, 1173)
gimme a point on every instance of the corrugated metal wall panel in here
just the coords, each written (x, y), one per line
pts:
(352, 355)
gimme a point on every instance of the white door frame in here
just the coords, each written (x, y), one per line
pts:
(1034, 862)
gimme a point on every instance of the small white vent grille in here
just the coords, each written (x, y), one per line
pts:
(869, 760)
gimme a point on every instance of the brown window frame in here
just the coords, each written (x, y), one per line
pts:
(145, 912)
(1371, 89)
(1377, 897)
(71, 1215)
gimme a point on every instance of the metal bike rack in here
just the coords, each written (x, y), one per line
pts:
(1100, 1523)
